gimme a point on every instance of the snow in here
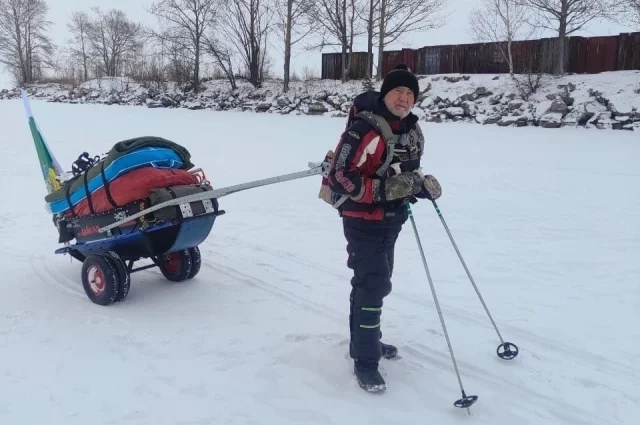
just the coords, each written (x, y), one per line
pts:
(546, 221)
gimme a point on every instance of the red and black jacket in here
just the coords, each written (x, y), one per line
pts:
(361, 152)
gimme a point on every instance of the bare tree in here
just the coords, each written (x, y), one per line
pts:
(339, 26)
(25, 49)
(157, 65)
(113, 37)
(500, 22)
(634, 15)
(295, 25)
(370, 20)
(185, 24)
(382, 24)
(65, 68)
(223, 57)
(79, 45)
(180, 66)
(567, 17)
(246, 25)
(393, 19)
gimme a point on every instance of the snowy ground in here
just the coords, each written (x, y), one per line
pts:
(546, 220)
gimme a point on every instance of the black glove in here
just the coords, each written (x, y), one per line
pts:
(397, 187)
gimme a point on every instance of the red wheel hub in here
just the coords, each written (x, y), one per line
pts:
(96, 279)
(172, 263)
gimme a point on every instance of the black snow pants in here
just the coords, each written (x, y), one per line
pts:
(370, 245)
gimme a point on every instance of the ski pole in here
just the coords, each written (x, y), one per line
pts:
(466, 401)
(506, 350)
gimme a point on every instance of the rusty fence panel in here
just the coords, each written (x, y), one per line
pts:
(582, 55)
(451, 59)
(487, 58)
(409, 58)
(420, 62)
(431, 60)
(332, 65)
(390, 60)
(601, 54)
(577, 55)
(358, 68)
(396, 57)
(628, 55)
(445, 59)
(526, 56)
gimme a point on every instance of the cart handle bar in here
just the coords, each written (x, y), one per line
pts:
(218, 193)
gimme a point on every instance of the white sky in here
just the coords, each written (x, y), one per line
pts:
(454, 32)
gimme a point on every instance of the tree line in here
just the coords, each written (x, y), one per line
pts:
(234, 36)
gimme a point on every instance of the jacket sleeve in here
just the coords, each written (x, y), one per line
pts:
(357, 143)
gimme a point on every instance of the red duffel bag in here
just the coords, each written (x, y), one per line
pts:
(130, 187)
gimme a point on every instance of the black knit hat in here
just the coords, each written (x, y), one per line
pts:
(397, 77)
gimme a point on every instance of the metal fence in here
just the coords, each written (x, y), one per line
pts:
(582, 55)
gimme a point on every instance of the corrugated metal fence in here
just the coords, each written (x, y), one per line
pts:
(582, 55)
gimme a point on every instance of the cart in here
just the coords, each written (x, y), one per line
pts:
(169, 236)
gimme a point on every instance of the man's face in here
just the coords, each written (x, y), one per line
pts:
(400, 101)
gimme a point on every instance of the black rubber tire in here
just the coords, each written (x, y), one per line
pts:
(100, 279)
(125, 277)
(196, 261)
(176, 266)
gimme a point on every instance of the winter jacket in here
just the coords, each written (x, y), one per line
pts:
(362, 151)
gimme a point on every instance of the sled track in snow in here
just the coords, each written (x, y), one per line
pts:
(419, 356)
(282, 255)
(272, 289)
(514, 334)
(494, 377)
(50, 273)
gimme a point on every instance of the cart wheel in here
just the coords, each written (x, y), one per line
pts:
(195, 261)
(176, 266)
(100, 279)
(125, 278)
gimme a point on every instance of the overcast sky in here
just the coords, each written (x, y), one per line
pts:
(454, 32)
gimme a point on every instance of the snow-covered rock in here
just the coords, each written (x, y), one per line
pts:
(609, 100)
(551, 120)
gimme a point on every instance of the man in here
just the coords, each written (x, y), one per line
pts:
(377, 170)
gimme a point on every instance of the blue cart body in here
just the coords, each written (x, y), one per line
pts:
(160, 239)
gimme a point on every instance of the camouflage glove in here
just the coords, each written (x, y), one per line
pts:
(396, 187)
(432, 188)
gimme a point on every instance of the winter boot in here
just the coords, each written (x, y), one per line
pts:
(389, 351)
(368, 376)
